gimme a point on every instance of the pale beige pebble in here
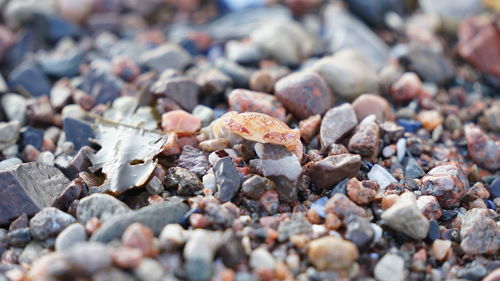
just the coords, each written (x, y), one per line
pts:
(75, 11)
(404, 216)
(180, 122)
(332, 253)
(391, 267)
(214, 144)
(439, 248)
(430, 119)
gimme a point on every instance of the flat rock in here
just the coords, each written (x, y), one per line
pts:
(182, 90)
(337, 122)
(328, 172)
(29, 77)
(27, 188)
(404, 216)
(166, 56)
(154, 216)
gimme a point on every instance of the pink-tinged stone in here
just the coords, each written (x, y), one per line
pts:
(180, 122)
(337, 123)
(429, 206)
(366, 141)
(304, 94)
(241, 100)
(482, 149)
(447, 183)
(309, 127)
(367, 104)
(140, 237)
(479, 44)
(430, 119)
(479, 232)
(406, 88)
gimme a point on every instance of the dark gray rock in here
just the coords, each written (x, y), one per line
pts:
(78, 132)
(26, 188)
(431, 66)
(166, 56)
(184, 181)
(49, 222)
(101, 85)
(182, 90)
(72, 166)
(360, 232)
(413, 169)
(31, 136)
(29, 77)
(155, 216)
(227, 179)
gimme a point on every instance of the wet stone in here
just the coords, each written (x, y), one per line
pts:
(183, 181)
(194, 160)
(337, 123)
(101, 206)
(404, 216)
(227, 179)
(304, 94)
(297, 224)
(480, 234)
(328, 172)
(242, 100)
(49, 222)
(29, 187)
(447, 183)
(483, 149)
(366, 141)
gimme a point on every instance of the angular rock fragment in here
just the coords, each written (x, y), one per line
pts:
(480, 233)
(184, 181)
(482, 149)
(181, 90)
(227, 179)
(78, 132)
(27, 188)
(337, 122)
(366, 141)
(242, 100)
(331, 170)
(194, 160)
(404, 216)
(447, 183)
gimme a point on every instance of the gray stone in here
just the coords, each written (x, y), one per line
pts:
(154, 216)
(404, 216)
(451, 10)
(149, 270)
(243, 52)
(9, 133)
(166, 56)
(343, 31)
(88, 258)
(199, 253)
(380, 175)
(194, 160)
(101, 206)
(204, 113)
(26, 188)
(14, 107)
(348, 74)
(430, 65)
(390, 268)
(49, 222)
(227, 179)
(9, 163)
(260, 258)
(29, 77)
(183, 181)
(360, 232)
(238, 74)
(337, 122)
(297, 224)
(31, 252)
(70, 236)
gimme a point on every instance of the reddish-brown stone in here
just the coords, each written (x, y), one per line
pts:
(406, 88)
(447, 183)
(482, 149)
(304, 94)
(479, 44)
(331, 170)
(367, 104)
(309, 127)
(343, 207)
(359, 194)
(366, 141)
(249, 101)
(140, 237)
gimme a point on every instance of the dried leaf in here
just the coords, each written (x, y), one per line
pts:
(126, 110)
(127, 156)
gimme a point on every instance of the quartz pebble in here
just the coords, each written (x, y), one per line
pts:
(404, 216)
(332, 253)
(390, 267)
(180, 122)
(380, 175)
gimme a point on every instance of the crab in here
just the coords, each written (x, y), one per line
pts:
(259, 127)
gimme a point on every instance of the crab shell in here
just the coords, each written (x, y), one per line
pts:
(259, 127)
